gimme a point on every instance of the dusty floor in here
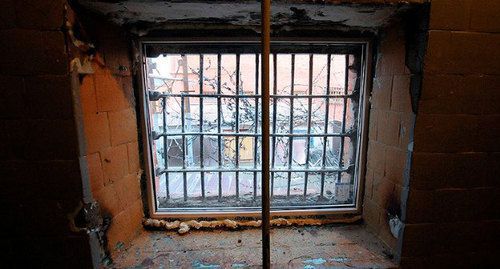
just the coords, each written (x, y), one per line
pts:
(297, 247)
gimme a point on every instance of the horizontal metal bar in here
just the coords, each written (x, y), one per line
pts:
(251, 169)
(154, 96)
(157, 135)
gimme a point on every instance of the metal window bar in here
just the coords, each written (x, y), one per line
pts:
(324, 170)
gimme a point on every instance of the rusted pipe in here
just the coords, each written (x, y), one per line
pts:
(266, 47)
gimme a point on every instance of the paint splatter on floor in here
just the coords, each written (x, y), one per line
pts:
(336, 246)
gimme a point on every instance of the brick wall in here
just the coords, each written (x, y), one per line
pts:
(453, 213)
(111, 131)
(40, 177)
(390, 122)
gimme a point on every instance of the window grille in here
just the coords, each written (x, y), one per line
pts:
(203, 125)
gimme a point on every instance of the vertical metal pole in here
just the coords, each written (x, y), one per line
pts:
(165, 147)
(344, 118)
(290, 139)
(237, 137)
(275, 107)
(327, 113)
(219, 118)
(266, 205)
(309, 108)
(202, 173)
(256, 137)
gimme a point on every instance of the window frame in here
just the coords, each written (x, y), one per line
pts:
(359, 174)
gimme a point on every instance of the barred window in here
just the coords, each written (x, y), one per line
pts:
(203, 116)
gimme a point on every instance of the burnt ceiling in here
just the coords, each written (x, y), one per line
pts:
(144, 16)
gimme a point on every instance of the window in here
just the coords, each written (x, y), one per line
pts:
(202, 106)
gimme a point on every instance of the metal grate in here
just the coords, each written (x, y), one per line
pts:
(203, 103)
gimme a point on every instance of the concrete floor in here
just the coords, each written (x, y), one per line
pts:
(344, 246)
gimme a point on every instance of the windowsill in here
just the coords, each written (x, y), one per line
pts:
(291, 247)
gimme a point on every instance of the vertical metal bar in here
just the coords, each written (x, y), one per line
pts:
(219, 112)
(202, 174)
(290, 139)
(266, 47)
(255, 153)
(237, 138)
(165, 148)
(183, 136)
(309, 108)
(275, 105)
(346, 86)
(327, 112)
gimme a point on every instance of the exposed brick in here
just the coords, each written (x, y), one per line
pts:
(400, 99)
(96, 174)
(465, 170)
(391, 59)
(7, 14)
(395, 162)
(458, 53)
(457, 133)
(133, 158)
(458, 94)
(111, 96)
(88, 95)
(450, 14)
(124, 226)
(406, 130)
(49, 97)
(389, 128)
(373, 122)
(383, 191)
(97, 131)
(381, 94)
(40, 14)
(385, 231)
(12, 91)
(128, 190)
(114, 163)
(368, 188)
(484, 16)
(376, 156)
(371, 215)
(107, 198)
(51, 140)
(29, 52)
(123, 126)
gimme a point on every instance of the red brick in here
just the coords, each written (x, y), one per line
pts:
(488, 132)
(406, 130)
(484, 16)
(385, 231)
(373, 122)
(465, 170)
(125, 226)
(108, 199)
(96, 174)
(381, 94)
(376, 156)
(383, 191)
(368, 188)
(462, 53)
(111, 96)
(123, 126)
(12, 91)
(450, 14)
(40, 14)
(12, 142)
(389, 128)
(391, 58)
(400, 99)
(128, 190)
(133, 158)
(458, 94)
(371, 215)
(51, 140)
(97, 132)
(395, 162)
(49, 97)
(114, 163)
(88, 95)
(7, 14)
